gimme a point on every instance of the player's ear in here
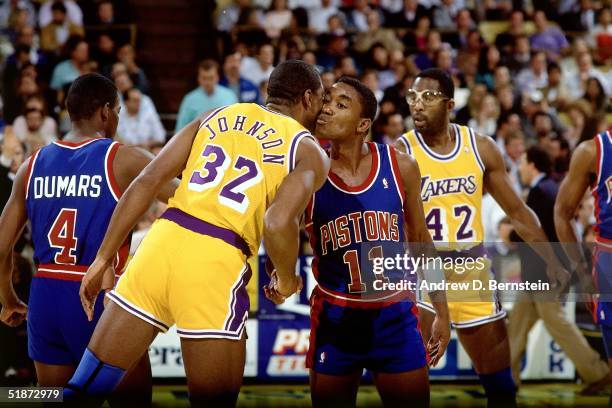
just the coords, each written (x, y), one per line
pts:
(364, 125)
(451, 104)
(105, 111)
(307, 98)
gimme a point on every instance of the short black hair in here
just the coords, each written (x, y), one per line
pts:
(126, 94)
(369, 105)
(540, 159)
(289, 80)
(58, 6)
(447, 86)
(87, 94)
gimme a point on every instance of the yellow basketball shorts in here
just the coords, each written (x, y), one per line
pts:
(182, 277)
(472, 304)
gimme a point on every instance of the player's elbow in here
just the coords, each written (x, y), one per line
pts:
(562, 213)
(277, 224)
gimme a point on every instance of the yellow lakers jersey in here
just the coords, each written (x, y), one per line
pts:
(451, 187)
(239, 158)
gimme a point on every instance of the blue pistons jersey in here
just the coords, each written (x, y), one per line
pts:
(71, 194)
(602, 191)
(355, 322)
(602, 255)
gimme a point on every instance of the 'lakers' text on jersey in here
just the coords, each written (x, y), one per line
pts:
(451, 186)
(239, 158)
(341, 218)
(71, 194)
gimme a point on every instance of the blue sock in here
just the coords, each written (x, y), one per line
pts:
(606, 332)
(92, 377)
(499, 385)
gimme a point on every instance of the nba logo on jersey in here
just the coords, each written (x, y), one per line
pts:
(385, 183)
(322, 358)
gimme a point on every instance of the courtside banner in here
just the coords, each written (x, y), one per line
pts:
(279, 335)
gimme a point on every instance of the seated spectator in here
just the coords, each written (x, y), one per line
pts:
(105, 12)
(505, 40)
(258, 69)
(484, 119)
(357, 16)
(346, 67)
(9, 8)
(28, 39)
(127, 56)
(228, 16)
(76, 65)
(318, 16)
(408, 16)
(277, 18)
(508, 101)
(12, 154)
(548, 38)
(487, 63)
(474, 103)
(521, 55)
(580, 17)
(501, 76)
(54, 35)
(556, 92)
(495, 9)
(535, 77)
(73, 12)
(576, 80)
(139, 127)
(24, 87)
(417, 39)
(376, 34)
(506, 124)
(104, 53)
(18, 19)
(27, 127)
(596, 97)
(445, 14)
(245, 90)
(513, 150)
(370, 79)
(392, 128)
(600, 37)
(124, 83)
(208, 95)
(425, 59)
(458, 38)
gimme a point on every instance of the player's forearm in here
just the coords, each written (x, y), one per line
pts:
(282, 242)
(567, 237)
(7, 292)
(528, 228)
(438, 301)
(132, 205)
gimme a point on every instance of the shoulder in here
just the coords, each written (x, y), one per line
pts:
(587, 150)
(406, 164)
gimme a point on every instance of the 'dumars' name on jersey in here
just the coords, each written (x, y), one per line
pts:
(82, 185)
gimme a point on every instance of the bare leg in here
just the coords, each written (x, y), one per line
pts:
(408, 389)
(136, 388)
(52, 375)
(334, 391)
(487, 345)
(120, 338)
(214, 369)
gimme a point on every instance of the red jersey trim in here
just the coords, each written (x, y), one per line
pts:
(73, 273)
(346, 300)
(110, 174)
(76, 145)
(33, 158)
(367, 183)
(397, 176)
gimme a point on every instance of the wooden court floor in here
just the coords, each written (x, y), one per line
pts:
(442, 395)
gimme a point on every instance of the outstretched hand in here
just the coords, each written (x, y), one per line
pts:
(277, 291)
(440, 336)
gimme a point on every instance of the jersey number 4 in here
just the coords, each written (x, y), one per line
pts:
(437, 223)
(213, 172)
(61, 236)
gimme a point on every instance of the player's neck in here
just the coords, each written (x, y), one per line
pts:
(442, 141)
(285, 110)
(348, 154)
(83, 131)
